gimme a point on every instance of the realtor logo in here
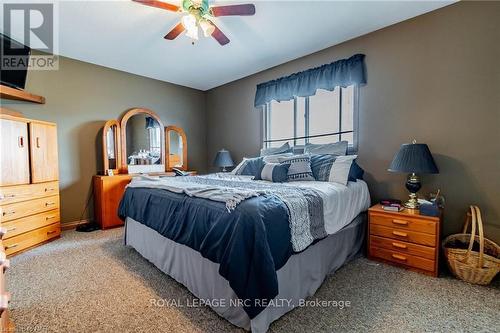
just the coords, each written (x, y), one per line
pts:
(30, 26)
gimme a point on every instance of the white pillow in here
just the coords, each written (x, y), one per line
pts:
(276, 158)
(339, 173)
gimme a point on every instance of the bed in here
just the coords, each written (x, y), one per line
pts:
(242, 248)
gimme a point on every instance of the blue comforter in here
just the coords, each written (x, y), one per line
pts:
(251, 243)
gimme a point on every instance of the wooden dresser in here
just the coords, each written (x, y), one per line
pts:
(5, 323)
(406, 239)
(108, 191)
(29, 188)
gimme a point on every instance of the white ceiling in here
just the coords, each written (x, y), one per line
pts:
(128, 36)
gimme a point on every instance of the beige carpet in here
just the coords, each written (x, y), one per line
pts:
(91, 282)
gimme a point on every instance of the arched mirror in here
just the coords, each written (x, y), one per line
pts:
(111, 146)
(176, 148)
(142, 148)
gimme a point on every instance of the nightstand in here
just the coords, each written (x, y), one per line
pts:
(405, 239)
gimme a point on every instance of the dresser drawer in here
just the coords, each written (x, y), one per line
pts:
(25, 208)
(404, 235)
(406, 223)
(403, 247)
(403, 258)
(11, 194)
(28, 239)
(28, 223)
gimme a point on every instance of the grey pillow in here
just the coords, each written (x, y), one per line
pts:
(337, 148)
(299, 169)
(285, 148)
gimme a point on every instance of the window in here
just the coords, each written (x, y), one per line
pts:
(154, 141)
(328, 116)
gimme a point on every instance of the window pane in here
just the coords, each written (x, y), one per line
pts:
(301, 120)
(324, 114)
(324, 139)
(347, 108)
(281, 118)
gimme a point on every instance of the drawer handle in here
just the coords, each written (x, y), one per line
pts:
(399, 245)
(49, 189)
(21, 142)
(50, 203)
(11, 229)
(51, 232)
(9, 213)
(5, 265)
(50, 217)
(399, 233)
(38, 142)
(11, 246)
(397, 256)
(400, 222)
(6, 196)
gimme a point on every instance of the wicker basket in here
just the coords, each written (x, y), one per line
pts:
(466, 264)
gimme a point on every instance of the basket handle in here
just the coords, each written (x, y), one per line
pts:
(481, 236)
(470, 217)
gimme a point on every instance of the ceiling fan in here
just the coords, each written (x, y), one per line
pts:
(199, 13)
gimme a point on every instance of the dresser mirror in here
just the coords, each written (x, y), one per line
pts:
(111, 146)
(176, 148)
(142, 142)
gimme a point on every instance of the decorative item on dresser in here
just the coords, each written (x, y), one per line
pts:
(29, 188)
(406, 239)
(138, 143)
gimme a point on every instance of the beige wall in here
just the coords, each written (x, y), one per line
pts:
(81, 97)
(434, 78)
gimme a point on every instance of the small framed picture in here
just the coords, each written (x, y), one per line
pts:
(109, 172)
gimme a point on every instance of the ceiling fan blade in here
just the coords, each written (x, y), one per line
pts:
(158, 4)
(244, 10)
(179, 28)
(219, 36)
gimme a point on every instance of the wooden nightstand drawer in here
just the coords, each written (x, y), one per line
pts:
(404, 222)
(403, 235)
(404, 247)
(403, 259)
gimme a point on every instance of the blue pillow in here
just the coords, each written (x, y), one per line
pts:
(274, 172)
(355, 172)
(250, 167)
(321, 166)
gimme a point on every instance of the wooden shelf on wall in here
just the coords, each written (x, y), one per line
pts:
(20, 95)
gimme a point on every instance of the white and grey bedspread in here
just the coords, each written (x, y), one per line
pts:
(304, 204)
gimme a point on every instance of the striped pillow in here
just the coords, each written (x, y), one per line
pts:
(299, 167)
(274, 172)
(331, 168)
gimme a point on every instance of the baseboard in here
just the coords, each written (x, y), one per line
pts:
(73, 225)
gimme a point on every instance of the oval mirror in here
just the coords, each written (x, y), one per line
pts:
(142, 137)
(111, 146)
(176, 148)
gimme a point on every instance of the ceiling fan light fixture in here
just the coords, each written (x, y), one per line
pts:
(189, 22)
(192, 33)
(207, 27)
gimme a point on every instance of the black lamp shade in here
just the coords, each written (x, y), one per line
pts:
(414, 158)
(223, 159)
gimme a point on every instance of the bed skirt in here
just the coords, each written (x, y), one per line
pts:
(298, 279)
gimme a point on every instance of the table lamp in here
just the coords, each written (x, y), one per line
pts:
(413, 158)
(223, 160)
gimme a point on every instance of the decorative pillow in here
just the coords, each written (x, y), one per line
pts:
(337, 148)
(356, 172)
(274, 151)
(299, 167)
(276, 158)
(331, 168)
(274, 172)
(249, 167)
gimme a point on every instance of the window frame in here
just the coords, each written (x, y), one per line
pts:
(266, 121)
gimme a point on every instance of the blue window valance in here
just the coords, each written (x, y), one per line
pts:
(151, 123)
(341, 73)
